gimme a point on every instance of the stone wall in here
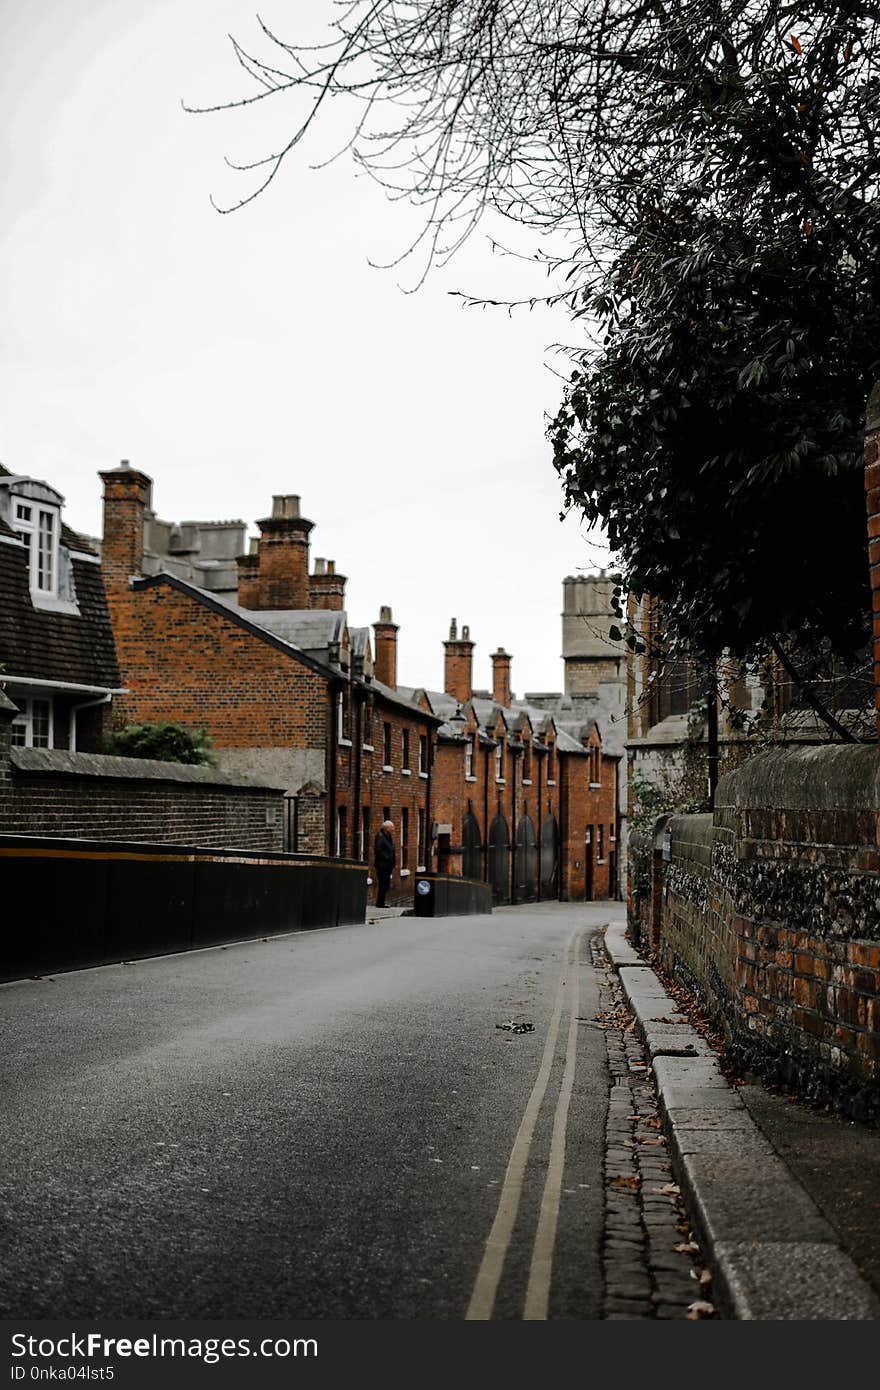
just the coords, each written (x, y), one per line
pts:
(770, 912)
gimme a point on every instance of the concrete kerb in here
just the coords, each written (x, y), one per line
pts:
(772, 1254)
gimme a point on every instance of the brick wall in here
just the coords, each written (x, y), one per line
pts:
(90, 796)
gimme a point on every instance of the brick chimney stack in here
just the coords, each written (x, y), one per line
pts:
(280, 578)
(501, 677)
(326, 587)
(458, 663)
(248, 580)
(385, 655)
(127, 495)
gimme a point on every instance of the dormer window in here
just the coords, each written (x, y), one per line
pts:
(39, 528)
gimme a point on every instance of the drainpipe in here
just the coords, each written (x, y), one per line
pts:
(539, 825)
(74, 711)
(563, 826)
(513, 756)
(332, 754)
(428, 858)
(357, 819)
(617, 833)
(712, 732)
(486, 751)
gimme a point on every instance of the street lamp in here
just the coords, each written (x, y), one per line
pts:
(457, 720)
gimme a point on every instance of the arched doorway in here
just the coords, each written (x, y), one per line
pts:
(471, 846)
(525, 868)
(499, 860)
(550, 858)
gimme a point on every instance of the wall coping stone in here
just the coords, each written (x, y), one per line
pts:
(834, 776)
(55, 762)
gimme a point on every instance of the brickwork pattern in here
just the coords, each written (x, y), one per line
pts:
(160, 813)
(382, 786)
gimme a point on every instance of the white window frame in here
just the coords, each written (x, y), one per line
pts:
(25, 719)
(341, 828)
(31, 528)
(469, 757)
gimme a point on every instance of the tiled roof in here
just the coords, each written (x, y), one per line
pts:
(310, 629)
(405, 701)
(63, 647)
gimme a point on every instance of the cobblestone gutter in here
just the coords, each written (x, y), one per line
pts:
(652, 1263)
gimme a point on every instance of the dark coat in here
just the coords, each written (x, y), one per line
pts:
(383, 851)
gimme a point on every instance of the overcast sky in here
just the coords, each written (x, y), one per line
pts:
(235, 357)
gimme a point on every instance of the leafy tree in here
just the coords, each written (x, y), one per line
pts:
(718, 432)
(164, 741)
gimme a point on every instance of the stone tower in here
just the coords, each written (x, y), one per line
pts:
(587, 651)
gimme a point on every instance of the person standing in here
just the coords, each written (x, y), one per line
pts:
(383, 853)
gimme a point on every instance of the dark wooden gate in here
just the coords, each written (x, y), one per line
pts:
(471, 847)
(499, 860)
(525, 868)
(550, 858)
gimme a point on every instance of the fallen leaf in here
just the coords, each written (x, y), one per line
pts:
(630, 1184)
(705, 1279)
(687, 1247)
(701, 1309)
(669, 1189)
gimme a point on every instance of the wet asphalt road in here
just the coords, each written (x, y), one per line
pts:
(314, 1126)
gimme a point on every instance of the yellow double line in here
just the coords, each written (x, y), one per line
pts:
(541, 1269)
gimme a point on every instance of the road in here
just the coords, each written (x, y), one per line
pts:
(327, 1124)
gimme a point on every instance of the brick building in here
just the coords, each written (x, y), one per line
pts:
(519, 801)
(271, 670)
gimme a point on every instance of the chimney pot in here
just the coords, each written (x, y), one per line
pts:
(285, 505)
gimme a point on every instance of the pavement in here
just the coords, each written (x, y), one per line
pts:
(783, 1237)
